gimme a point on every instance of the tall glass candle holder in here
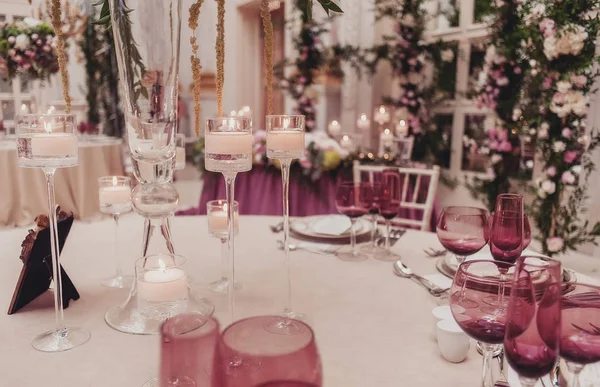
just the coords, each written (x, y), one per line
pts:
(48, 141)
(114, 195)
(216, 212)
(180, 152)
(228, 150)
(285, 142)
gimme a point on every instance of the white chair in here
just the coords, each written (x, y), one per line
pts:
(405, 147)
(420, 177)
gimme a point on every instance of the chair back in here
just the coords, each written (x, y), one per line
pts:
(418, 189)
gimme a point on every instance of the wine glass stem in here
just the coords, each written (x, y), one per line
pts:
(488, 356)
(574, 370)
(388, 231)
(230, 185)
(285, 180)
(56, 275)
(224, 256)
(353, 237)
(374, 231)
(527, 382)
(117, 257)
(460, 259)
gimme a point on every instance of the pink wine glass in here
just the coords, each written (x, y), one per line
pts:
(188, 355)
(533, 318)
(580, 333)
(474, 282)
(389, 207)
(353, 200)
(507, 232)
(283, 358)
(463, 230)
(526, 229)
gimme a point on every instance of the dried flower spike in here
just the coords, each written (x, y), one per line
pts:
(196, 66)
(60, 49)
(265, 13)
(220, 47)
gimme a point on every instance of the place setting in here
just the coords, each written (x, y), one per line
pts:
(193, 210)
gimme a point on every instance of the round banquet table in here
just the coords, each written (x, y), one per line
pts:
(372, 327)
(23, 193)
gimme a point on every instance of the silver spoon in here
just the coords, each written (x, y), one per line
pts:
(404, 271)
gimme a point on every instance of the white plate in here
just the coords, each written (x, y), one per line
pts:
(303, 227)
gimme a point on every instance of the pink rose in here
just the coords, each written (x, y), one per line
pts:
(547, 83)
(412, 61)
(555, 244)
(494, 145)
(492, 133)
(568, 177)
(305, 162)
(558, 98)
(570, 156)
(566, 133)
(505, 146)
(551, 171)
(547, 27)
(578, 80)
(517, 70)
(502, 135)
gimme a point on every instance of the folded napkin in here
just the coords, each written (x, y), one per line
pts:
(331, 225)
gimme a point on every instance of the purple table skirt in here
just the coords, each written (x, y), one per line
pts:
(259, 192)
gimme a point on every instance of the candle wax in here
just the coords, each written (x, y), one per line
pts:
(228, 143)
(217, 222)
(119, 194)
(53, 145)
(285, 140)
(163, 285)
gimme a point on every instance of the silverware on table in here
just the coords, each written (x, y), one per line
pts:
(277, 228)
(433, 253)
(325, 250)
(395, 235)
(404, 271)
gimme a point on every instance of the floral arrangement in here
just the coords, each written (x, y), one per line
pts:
(409, 57)
(27, 48)
(553, 48)
(86, 127)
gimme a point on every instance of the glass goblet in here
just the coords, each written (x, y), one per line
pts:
(507, 231)
(354, 201)
(526, 229)
(216, 212)
(375, 179)
(114, 195)
(179, 152)
(389, 207)
(533, 319)
(48, 142)
(580, 328)
(463, 230)
(473, 283)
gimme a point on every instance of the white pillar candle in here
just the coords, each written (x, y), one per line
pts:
(217, 222)
(163, 285)
(382, 115)
(363, 122)
(386, 142)
(179, 157)
(285, 140)
(53, 145)
(119, 194)
(228, 143)
(402, 128)
(334, 128)
(347, 143)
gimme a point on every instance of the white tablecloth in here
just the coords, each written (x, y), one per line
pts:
(23, 192)
(373, 328)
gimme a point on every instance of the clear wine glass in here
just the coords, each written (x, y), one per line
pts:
(48, 142)
(114, 195)
(463, 230)
(474, 282)
(580, 332)
(285, 142)
(216, 213)
(389, 207)
(533, 318)
(281, 357)
(353, 200)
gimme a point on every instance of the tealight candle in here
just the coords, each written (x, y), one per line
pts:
(163, 284)
(382, 115)
(118, 194)
(347, 143)
(402, 128)
(53, 145)
(217, 222)
(363, 122)
(228, 143)
(334, 128)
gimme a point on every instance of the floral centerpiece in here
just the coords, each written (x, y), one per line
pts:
(27, 48)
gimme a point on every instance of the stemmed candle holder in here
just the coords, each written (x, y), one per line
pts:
(115, 198)
(48, 141)
(285, 142)
(179, 152)
(216, 211)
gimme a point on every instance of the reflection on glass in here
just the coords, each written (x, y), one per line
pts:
(24, 85)
(475, 153)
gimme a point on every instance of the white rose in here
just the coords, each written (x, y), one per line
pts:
(576, 169)
(22, 42)
(502, 81)
(563, 86)
(517, 113)
(568, 177)
(559, 146)
(550, 47)
(548, 187)
(408, 20)
(541, 193)
(555, 244)
(496, 158)
(31, 22)
(563, 45)
(529, 164)
(447, 55)
(532, 132)
(543, 132)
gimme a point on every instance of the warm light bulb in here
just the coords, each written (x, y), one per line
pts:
(246, 109)
(382, 109)
(23, 107)
(335, 123)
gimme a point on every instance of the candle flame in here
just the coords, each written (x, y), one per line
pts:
(387, 131)
(346, 138)
(402, 123)
(363, 117)
(382, 109)
(47, 127)
(334, 123)
(114, 180)
(162, 265)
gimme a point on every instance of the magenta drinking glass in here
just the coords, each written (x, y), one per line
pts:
(580, 333)
(533, 318)
(463, 230)
(282, 358)
(475, 281)
(507, 231)
(353, 200)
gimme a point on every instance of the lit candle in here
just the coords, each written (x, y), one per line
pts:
(24, 109)
(386, 136)
(285, 140)
(233, 113)
(180, 157)
(228, 143)
(363, 122)
(382, 115)
(163, 284)
(245, 112)
(115, 194)
(334, 128)
(51, 144)
(402, 128)
(386, 142)
(347, 143)
(217, 222)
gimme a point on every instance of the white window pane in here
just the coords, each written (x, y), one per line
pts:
(5, 86)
